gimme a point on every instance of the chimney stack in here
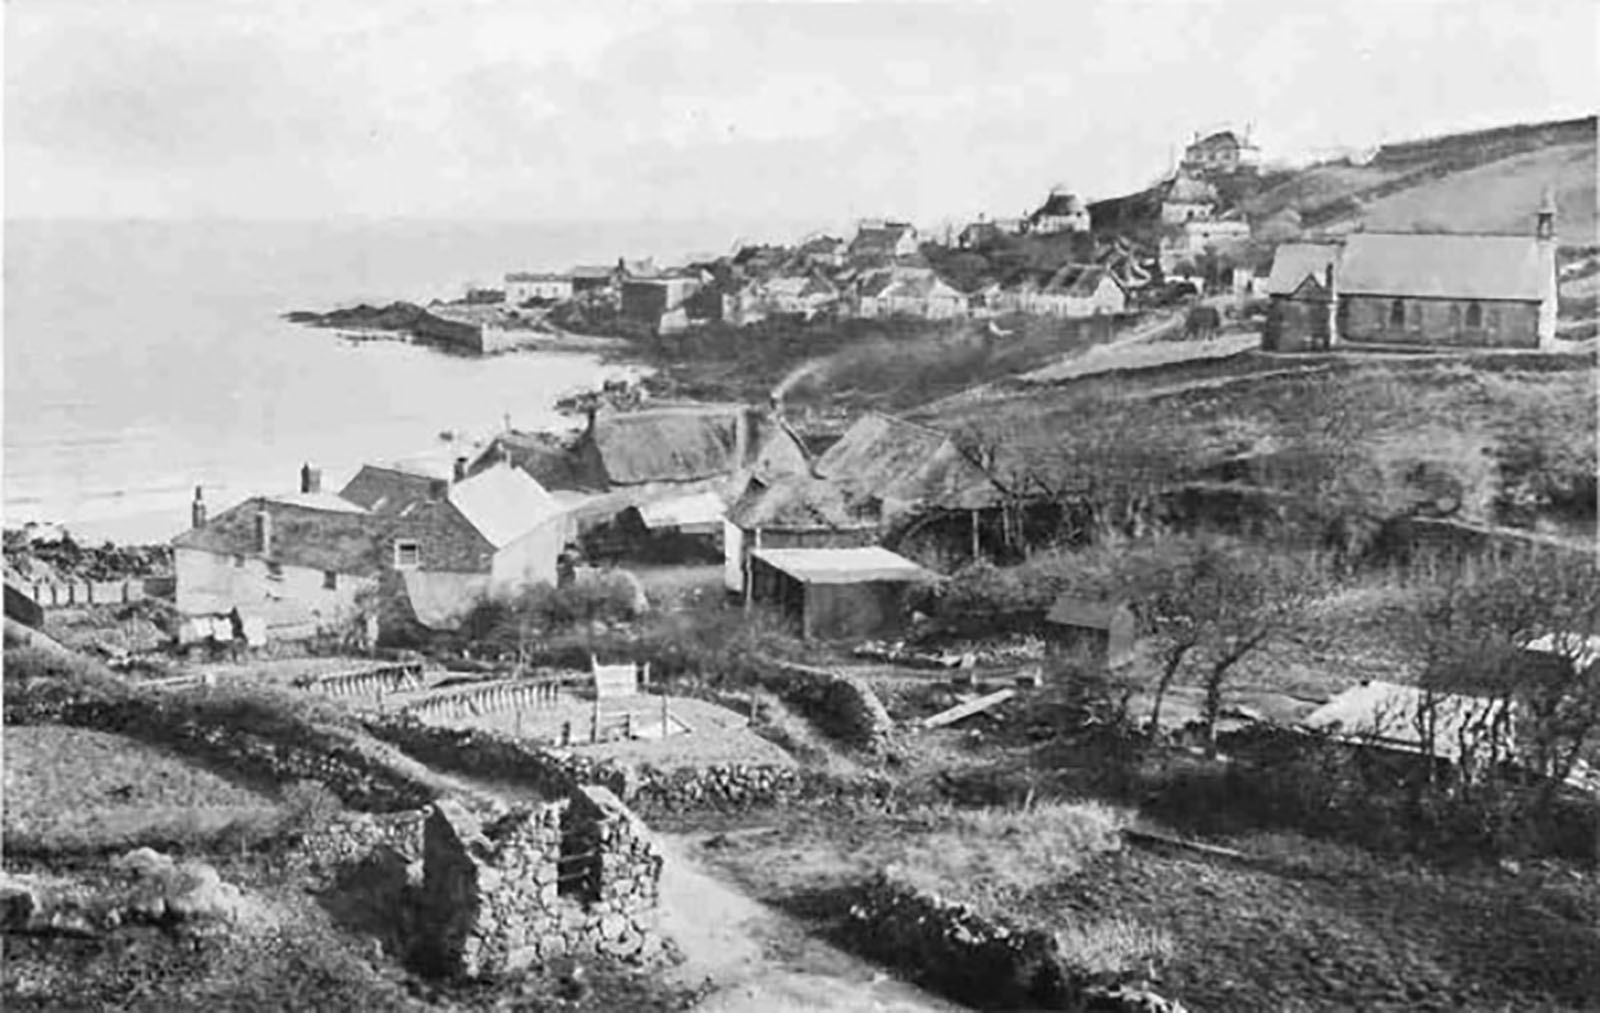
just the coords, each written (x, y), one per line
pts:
(459, 471)
(263, 532)
(310, 479)
(197, 509)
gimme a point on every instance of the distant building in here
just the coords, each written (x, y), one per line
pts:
(587, 278)
(1188, 199)
(1223, 151)
(878, 239)
(524, 287)
(804, 295)
(1062, 211)
(823, 251)
(1079, 291)
(1197, 236)
(908, 291)
(659, 302)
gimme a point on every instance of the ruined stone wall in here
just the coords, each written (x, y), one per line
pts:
(573, 878)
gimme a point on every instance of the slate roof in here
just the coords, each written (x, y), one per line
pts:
(336, 540)
(843, 566)
(503, 503)
(391, 487)
(1441, 266)
(546, 457)
(1292, 262)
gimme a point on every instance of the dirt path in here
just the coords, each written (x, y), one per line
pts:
(762, 961)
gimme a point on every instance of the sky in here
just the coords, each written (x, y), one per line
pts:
(610, 110)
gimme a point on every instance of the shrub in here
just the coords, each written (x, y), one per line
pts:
(1113, 948)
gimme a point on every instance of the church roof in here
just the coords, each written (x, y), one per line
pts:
(1441, 266)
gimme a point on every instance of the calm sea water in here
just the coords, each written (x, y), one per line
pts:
(142, 359)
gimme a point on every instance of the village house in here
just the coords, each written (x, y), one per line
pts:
(588, 278)
(908, 291)
(1300, 290)
(484, 329)
(836, 594)
(798, 511)
(658, 302)
(1079, 291)
(1186, 200)
(878, 240)
(1224, 151)
(1062, 211)
(822, 251)
(1194, 238)
(525, 287)
(1459, 290)
(986, 232)
(804, 295)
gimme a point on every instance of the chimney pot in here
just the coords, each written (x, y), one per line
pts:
(197, 509)
(310, 479)
(459, 471)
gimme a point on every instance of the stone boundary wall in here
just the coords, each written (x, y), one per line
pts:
(282, 754)
(974, 959)
(841, 705)
(557, 774)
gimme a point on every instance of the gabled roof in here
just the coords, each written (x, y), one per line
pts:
(843, 566)
(546, 457)
(503, 503)
(339, 541)
(804, 503)
(891, 458)
(880, 239)
(1221, 137)
(1087, 613)
(1444, 266)
(1293, 262)
(668, 444)
(700, 508)
(389, 488)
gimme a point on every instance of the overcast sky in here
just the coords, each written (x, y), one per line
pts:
(609, 110)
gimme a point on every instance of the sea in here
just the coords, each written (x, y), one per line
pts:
(145, 358)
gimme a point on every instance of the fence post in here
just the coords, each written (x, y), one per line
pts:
(666, 729)
(627, 726)
(594, 722)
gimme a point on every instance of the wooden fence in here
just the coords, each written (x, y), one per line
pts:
(368, 681)
(78, 593)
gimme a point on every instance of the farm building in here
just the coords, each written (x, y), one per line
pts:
(1300, 287)
(1079, 291)
(1223, 151)
(794, 512)
(1062, 211)
(683, 529)
(878, 240)
(908, 291)
(836, 594)
(523, 287)
(1103, 631)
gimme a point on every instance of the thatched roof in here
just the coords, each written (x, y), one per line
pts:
(683, 444)
(803, 503)
(902, 461)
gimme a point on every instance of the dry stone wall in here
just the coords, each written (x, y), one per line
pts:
(579, 877)
(975, 959)
(842, 705)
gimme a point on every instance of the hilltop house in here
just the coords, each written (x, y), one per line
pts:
(304, 561)
(1300, 290)
(1062, 211)
(524, 287)
(1223, 151)
(878, 240)
(908, 291)
(1423, 289)
(1079, 291)
(1186, 200)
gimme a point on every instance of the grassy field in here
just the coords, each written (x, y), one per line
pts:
(72, 790)
(1302, 926)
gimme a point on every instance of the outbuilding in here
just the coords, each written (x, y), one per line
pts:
(1104, 631)
(836, 594)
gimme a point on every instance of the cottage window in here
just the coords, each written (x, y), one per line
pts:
(274, 571)
(1397, 313)
(330, 580)
(407, 555)
(1474, 315)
